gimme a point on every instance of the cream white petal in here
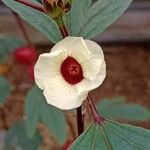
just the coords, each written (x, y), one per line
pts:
(59, 92)
(64, 44)
(91, 67)
(87, 85)
(75, 47)
(95, 49)
(48, 66)
(79, 50)
(62, 95)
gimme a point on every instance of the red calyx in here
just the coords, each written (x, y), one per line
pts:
(71, 70)
(25, 55)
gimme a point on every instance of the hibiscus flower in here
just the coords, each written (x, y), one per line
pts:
(73, 68)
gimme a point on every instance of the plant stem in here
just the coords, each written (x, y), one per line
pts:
(64, 33)
(23, 30)
(80, 122)
(62, 27)
(96, 116)
(35, 6)
(3, 117)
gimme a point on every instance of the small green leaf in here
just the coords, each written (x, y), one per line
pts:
(32, 104)
(37, 109)
(117, 108)
(8, 44)
(77, 15)
(101, 15)
(17, 139)
(5, 88)
(111, 135)
(39, 20)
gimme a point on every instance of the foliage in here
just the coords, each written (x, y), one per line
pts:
(117, 108)
(79, 8)
(111, 135)
(87, 19)
(37, 109)
(94, 18)
(5, 88)
(17, 139)
(39, 20)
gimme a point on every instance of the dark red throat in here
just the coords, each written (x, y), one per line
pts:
(71, 70)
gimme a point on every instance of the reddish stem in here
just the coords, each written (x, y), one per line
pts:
(3, 117)
(80, 122)
(96, 116)
(35, 6)
(63, 31)
(61, 24)
(62, 27)
(23, 30)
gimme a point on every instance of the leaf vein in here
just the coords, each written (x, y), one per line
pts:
(109, 146)
(125, 138)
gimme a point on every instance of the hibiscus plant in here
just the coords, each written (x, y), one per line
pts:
(65, 77)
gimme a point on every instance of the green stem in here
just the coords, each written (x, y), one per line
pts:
(62, 27)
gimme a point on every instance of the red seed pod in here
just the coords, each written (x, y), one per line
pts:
(71, 71)
(25, 55)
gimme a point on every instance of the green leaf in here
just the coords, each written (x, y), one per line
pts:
(8, 44)
(101, 15)
(77, 15)
(111, 135)
(37, 109)
(17, 139)
(117, 108)
(5, 88)
(40, 21)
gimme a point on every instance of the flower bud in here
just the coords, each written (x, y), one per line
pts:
(56, 8)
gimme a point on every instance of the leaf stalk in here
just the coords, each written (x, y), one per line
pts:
(35, 6)
(98, 119)
(64, 33)
(23, 30)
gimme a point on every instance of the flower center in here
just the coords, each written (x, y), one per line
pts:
(71, 71)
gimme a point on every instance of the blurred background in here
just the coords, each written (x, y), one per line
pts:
(126, 45)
